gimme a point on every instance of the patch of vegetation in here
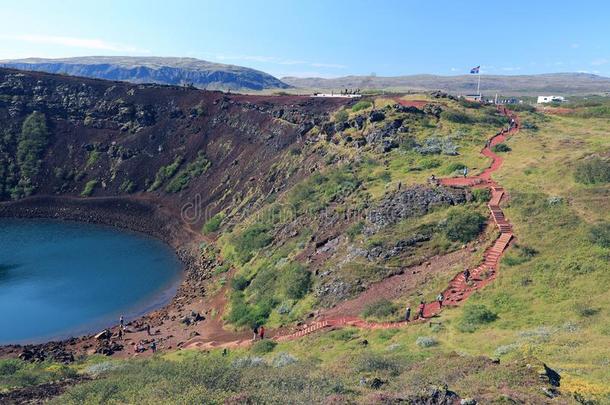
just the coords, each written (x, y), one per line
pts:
(165, 173)
(94, 157)
(380, 309)
(315, 193)
(456, 116)
(263, 346)
(600, 234)
(501, 147)
(593, 170)
(192, 170)
(454, 167)
(469, 104)
(253, 238)
(89, 187)
(481, 195)
(426, 341)
(341, 116)
(475, 315)
(463, 224)
(355, 230)
(206, 379)
(16, 177)
(374, 363)
(213, 224)
(520, 254)
(253, 301)
(15, 373)
(522, 107)
(361, 105)
(127, 186)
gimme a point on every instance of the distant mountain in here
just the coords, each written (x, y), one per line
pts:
(177, 71)
(552, 83)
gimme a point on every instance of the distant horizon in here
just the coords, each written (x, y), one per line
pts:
(483, 73)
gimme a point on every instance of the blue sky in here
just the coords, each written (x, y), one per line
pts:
(322, 38)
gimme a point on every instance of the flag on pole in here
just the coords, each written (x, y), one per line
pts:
(475, 70)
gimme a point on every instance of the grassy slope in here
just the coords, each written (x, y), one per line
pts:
(554, 306)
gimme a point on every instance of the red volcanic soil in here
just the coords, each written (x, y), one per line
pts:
(412, 103)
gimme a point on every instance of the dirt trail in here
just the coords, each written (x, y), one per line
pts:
(464, 283)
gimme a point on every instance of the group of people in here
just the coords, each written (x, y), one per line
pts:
(439, 298)
(141, 346)
(258, 332)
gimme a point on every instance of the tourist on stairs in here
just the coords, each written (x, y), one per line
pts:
(439, 299)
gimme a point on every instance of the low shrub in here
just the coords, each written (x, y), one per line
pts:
(295, 281)
(89, 187)
(501, 147)
(426, 341)
(481, 195)
(380, 309)
(165, 173)
(239, 282)
(341, 116)
(593, 170)
(469, 104)
(463, 225)
(600, 234)
(454, 167)
(213, 224)
(373, 363)
(246, 243)
(355, 230)
(263, 346)
(361, 105)
(192, 170)
(474, 316)
(521, 107)
(456, 116)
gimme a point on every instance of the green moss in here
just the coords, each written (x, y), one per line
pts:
(165, 173)
(193, 170)
(213, 224)
(89, 187)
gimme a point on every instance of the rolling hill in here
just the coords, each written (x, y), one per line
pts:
(176, 71)
(555, 83)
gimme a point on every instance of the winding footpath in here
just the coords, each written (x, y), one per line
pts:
(459, 288)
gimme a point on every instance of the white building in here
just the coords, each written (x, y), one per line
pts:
(550, 99)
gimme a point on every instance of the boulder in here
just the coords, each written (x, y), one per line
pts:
(376, 116)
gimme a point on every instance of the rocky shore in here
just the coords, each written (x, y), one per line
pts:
(134, 214)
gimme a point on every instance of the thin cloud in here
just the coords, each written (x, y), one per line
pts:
(599, 62)
(74, 42)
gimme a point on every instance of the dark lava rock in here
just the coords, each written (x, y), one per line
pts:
(376, 383)
(433, 109)
(411, 202)
(434, 396)
(376, 116)
(358, 122)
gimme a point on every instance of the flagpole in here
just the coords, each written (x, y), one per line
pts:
(479, 84)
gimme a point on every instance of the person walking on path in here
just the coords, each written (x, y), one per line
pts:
(420, 310)
(408, 314)
(466, 275)
(261, 332)
(153, 346)
(148, 329)
(254, 332)
(120, 334)
(121, 321)
(439, 299)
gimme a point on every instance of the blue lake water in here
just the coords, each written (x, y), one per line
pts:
(61, 279)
